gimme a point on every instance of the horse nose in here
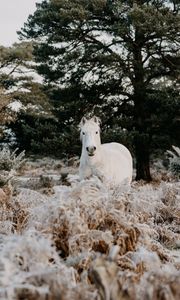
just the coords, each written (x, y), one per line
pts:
(91, 149)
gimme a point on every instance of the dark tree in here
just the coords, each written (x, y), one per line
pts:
(112, 57)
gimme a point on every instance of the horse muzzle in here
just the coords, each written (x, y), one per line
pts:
(91, 150)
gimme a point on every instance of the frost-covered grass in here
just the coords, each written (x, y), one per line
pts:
(9, 162)
(82, 240)
(175, 161)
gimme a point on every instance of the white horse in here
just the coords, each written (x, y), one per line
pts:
(111, 162)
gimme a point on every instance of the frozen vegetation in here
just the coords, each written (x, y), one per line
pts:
(65, 239)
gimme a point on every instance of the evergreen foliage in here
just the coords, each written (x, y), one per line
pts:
(15, 60)
(42, 135)
(5, 115)
(18, 84)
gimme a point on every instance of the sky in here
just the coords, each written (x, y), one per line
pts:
(13, 14)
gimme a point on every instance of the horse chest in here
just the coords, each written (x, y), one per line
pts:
(90, 167)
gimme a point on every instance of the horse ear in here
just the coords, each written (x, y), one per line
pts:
(97, 120)
(83, 121)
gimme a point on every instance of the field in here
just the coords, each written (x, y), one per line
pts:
(65, 239)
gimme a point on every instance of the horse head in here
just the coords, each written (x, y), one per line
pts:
(90, 135)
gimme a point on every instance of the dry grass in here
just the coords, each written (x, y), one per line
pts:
(85, 241)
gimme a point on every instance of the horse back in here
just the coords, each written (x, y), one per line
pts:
(117, 147)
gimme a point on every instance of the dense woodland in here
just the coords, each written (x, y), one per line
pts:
(119, 60)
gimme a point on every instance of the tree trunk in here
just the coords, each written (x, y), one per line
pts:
(141, 141)
(142, 158)
(140, 114)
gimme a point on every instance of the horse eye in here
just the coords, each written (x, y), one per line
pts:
(96, 132)
(83, 133)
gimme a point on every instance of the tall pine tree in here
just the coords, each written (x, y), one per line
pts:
(108, 55)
